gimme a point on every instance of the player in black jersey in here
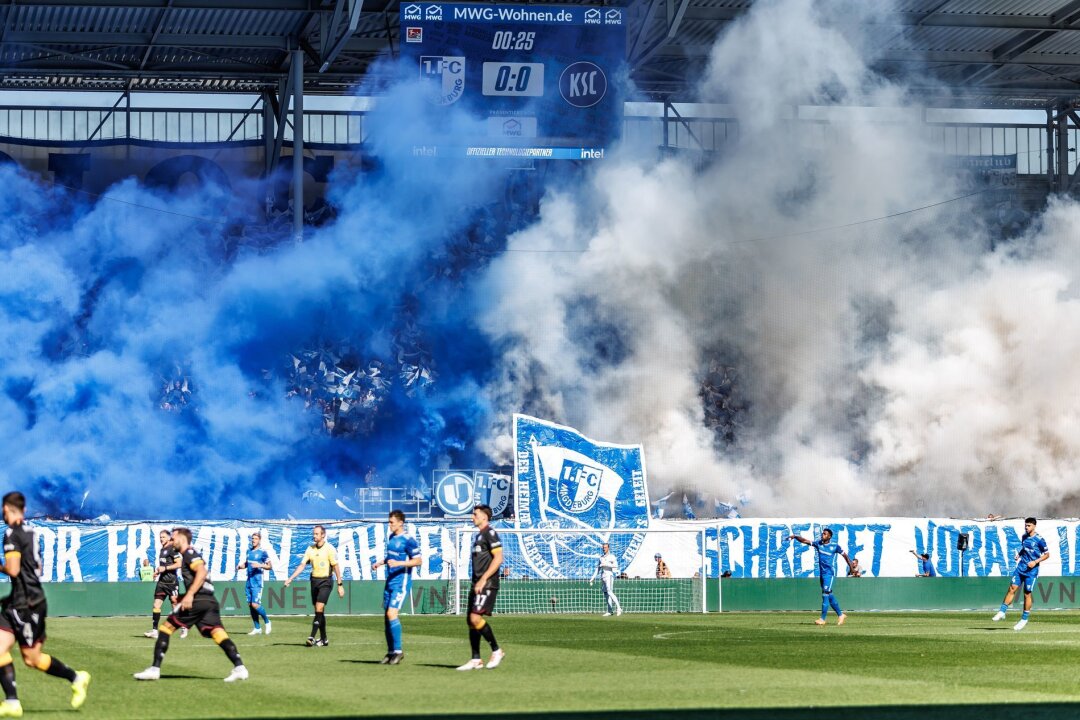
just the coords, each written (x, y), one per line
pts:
(486, 559)
(167, 585)
(23, 612)
(198, 608)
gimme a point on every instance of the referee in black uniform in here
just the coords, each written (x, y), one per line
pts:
(324, 563)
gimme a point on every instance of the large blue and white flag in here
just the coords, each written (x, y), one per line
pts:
(564, 480)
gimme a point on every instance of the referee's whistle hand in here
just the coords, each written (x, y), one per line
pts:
(341, 590)
(287, 582)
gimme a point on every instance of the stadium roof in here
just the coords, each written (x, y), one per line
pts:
(980, 53)
(985, 53)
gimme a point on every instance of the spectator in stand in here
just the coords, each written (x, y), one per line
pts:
(926, 568)
(855, 570)
(726, 574)
(662, 570)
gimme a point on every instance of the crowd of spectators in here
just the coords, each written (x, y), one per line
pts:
(333, 383)
(176, 391)
(723, 403)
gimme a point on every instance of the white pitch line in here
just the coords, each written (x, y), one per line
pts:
(255, 643)
(669, 635)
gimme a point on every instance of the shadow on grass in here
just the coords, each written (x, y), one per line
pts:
(362, 662)
(877, 712)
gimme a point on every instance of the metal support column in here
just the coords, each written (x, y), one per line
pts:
(667, 105)
(1062, 150)
(269, 132)
(297, 82)
(1050, 148)
(127, 126)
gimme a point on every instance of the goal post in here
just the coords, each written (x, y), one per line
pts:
(549, 571)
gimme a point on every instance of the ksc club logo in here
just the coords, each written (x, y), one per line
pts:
(583, 84)
(445, 75)
(454, 493)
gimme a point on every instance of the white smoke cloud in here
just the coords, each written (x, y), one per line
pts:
(903, 365)
(892, 366)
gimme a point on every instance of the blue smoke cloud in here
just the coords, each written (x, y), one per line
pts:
(145, 372)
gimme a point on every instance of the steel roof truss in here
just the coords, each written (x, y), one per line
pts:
(157, 32)
(355, 8)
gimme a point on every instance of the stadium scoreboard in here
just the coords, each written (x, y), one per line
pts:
(543, 80)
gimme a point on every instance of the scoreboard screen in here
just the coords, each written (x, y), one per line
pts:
(543, 79)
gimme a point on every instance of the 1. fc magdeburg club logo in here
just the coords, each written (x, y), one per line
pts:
(445, 77)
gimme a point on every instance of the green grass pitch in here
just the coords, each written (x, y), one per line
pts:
(751, 665)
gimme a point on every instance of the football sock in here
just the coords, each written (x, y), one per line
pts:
(824, 606)
(1024, 615)
(835, 604)
(157, 618)
(488, 634)
(7, 679)
(254, 617)
(231, 652)
(52, 666)
(263, 615)
(321, 619)
(395, 634)
(474, 642)
(160, 648)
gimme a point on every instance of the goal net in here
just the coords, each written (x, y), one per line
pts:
(549, 571)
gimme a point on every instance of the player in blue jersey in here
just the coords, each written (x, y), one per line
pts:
(257, 561)
(1033, 552)
(827, 551)
(402, 555)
